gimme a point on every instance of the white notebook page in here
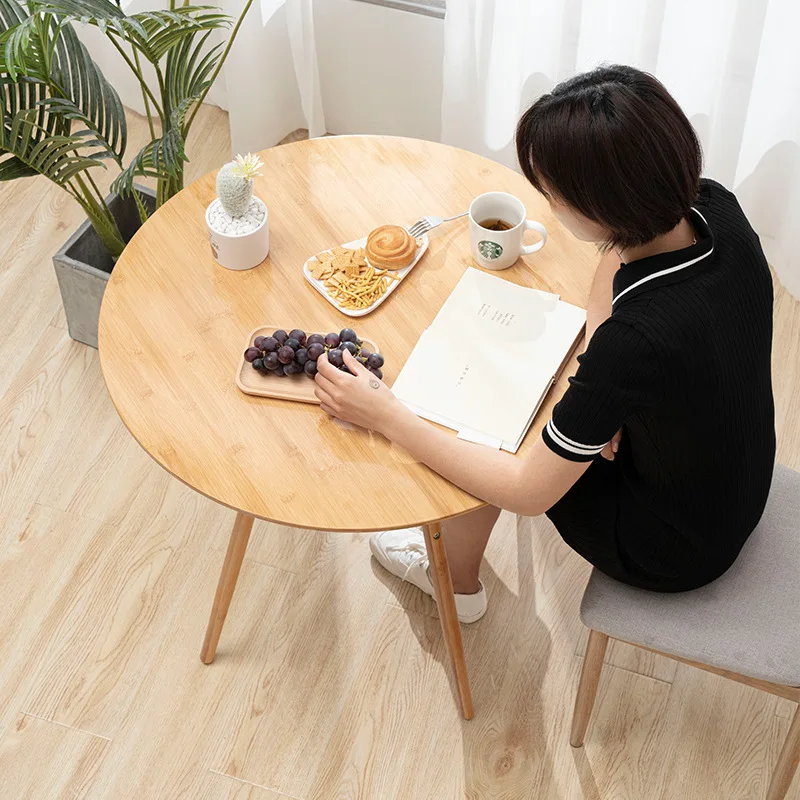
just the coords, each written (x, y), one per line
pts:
(489, 357)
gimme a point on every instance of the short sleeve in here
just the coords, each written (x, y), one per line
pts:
(619, 374)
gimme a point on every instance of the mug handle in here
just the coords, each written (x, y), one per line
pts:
(530, 225)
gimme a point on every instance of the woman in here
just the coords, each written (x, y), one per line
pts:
(657, 461)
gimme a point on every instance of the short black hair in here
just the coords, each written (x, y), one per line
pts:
(614, 145)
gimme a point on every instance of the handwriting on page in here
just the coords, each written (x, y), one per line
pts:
(488, 312)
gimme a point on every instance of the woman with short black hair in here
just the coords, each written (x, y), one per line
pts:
(657, 462)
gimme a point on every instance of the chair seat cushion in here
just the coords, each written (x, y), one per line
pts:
(747, 621)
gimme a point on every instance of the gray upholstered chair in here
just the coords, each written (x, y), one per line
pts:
(743, 626)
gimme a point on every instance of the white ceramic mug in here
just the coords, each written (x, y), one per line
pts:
(501, 249)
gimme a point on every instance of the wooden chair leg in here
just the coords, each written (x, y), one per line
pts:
(787, 762)
(448, 616)
(237, 546)
(587, 688)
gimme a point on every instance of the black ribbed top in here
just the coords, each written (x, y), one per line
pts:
(683, 367)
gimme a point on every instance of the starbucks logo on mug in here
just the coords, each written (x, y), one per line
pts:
(490, 250)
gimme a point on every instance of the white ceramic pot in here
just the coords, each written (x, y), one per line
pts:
(240, 250)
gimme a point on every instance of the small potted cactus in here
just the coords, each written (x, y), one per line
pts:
(237, 221)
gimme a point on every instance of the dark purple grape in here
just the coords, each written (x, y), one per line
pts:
(301, 356)
(270, 344)
(259, 342)
(332, 339)
(335, 357)
(315, 350)
(285, 355)
(251, 354)
(258, 364)
(292, 369)
(361, 360)
(299, 335)
(271, 361)
(293, 343)
(310, 368)
(376, 371)
(348, 335)
(279, 370)
(345, 368)
(351, 346)
(281, 336)
(375, 361)
(315, 338)
(365, 353)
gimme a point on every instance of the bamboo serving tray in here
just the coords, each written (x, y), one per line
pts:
(299, 388)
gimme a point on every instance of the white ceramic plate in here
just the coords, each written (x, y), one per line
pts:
(401, 274)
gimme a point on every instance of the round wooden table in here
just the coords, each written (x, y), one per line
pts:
(174, 323)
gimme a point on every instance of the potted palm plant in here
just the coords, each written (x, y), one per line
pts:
(62, 119)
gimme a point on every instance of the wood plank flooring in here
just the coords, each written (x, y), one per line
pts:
(331, 681)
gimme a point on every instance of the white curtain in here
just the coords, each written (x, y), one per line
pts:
(270, 81)
(733, 65)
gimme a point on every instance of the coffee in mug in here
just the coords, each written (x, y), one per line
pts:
(496, 225)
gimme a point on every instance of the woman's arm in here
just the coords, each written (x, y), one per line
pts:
(526, 486)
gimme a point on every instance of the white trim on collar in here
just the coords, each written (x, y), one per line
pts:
(669, 270)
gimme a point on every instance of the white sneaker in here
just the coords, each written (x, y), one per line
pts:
(403, 554)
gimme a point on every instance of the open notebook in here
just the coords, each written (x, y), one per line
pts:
(485, 364)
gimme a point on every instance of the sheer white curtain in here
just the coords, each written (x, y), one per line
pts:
(270, 81)
(733, 65)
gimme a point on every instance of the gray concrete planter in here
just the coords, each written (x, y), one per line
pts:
(83, 266)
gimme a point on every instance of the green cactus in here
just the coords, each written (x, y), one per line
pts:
(235, 184)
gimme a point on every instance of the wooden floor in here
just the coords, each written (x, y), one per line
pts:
(331, 679)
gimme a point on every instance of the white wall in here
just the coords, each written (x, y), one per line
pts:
(380, 69)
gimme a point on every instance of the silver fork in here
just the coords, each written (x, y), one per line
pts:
(429, 223)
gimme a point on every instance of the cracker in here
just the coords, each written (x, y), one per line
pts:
(317, 270)
(349, 279)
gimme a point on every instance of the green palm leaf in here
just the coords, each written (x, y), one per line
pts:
(163, 156)
(188, 69)
(154, 33)
(187, 75)
(32, 150)
(11, 14)
(47, 50)
(86, 93)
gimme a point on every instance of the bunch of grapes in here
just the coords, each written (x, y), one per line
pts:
(294, 352)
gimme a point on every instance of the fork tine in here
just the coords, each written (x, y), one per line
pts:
(418, 228)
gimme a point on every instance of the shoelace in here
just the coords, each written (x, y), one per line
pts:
(417, 548)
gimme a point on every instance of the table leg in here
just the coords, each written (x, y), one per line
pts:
(237, 546)
(446, 601)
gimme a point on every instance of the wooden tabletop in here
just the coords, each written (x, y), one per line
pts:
(173, 326)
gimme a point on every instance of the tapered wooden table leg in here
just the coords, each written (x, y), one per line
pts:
(237, 546)
(446, 601)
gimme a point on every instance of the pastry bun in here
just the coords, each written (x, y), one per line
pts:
(390, 247)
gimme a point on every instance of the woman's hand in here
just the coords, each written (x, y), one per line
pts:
(611, 449)
(359, 398)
